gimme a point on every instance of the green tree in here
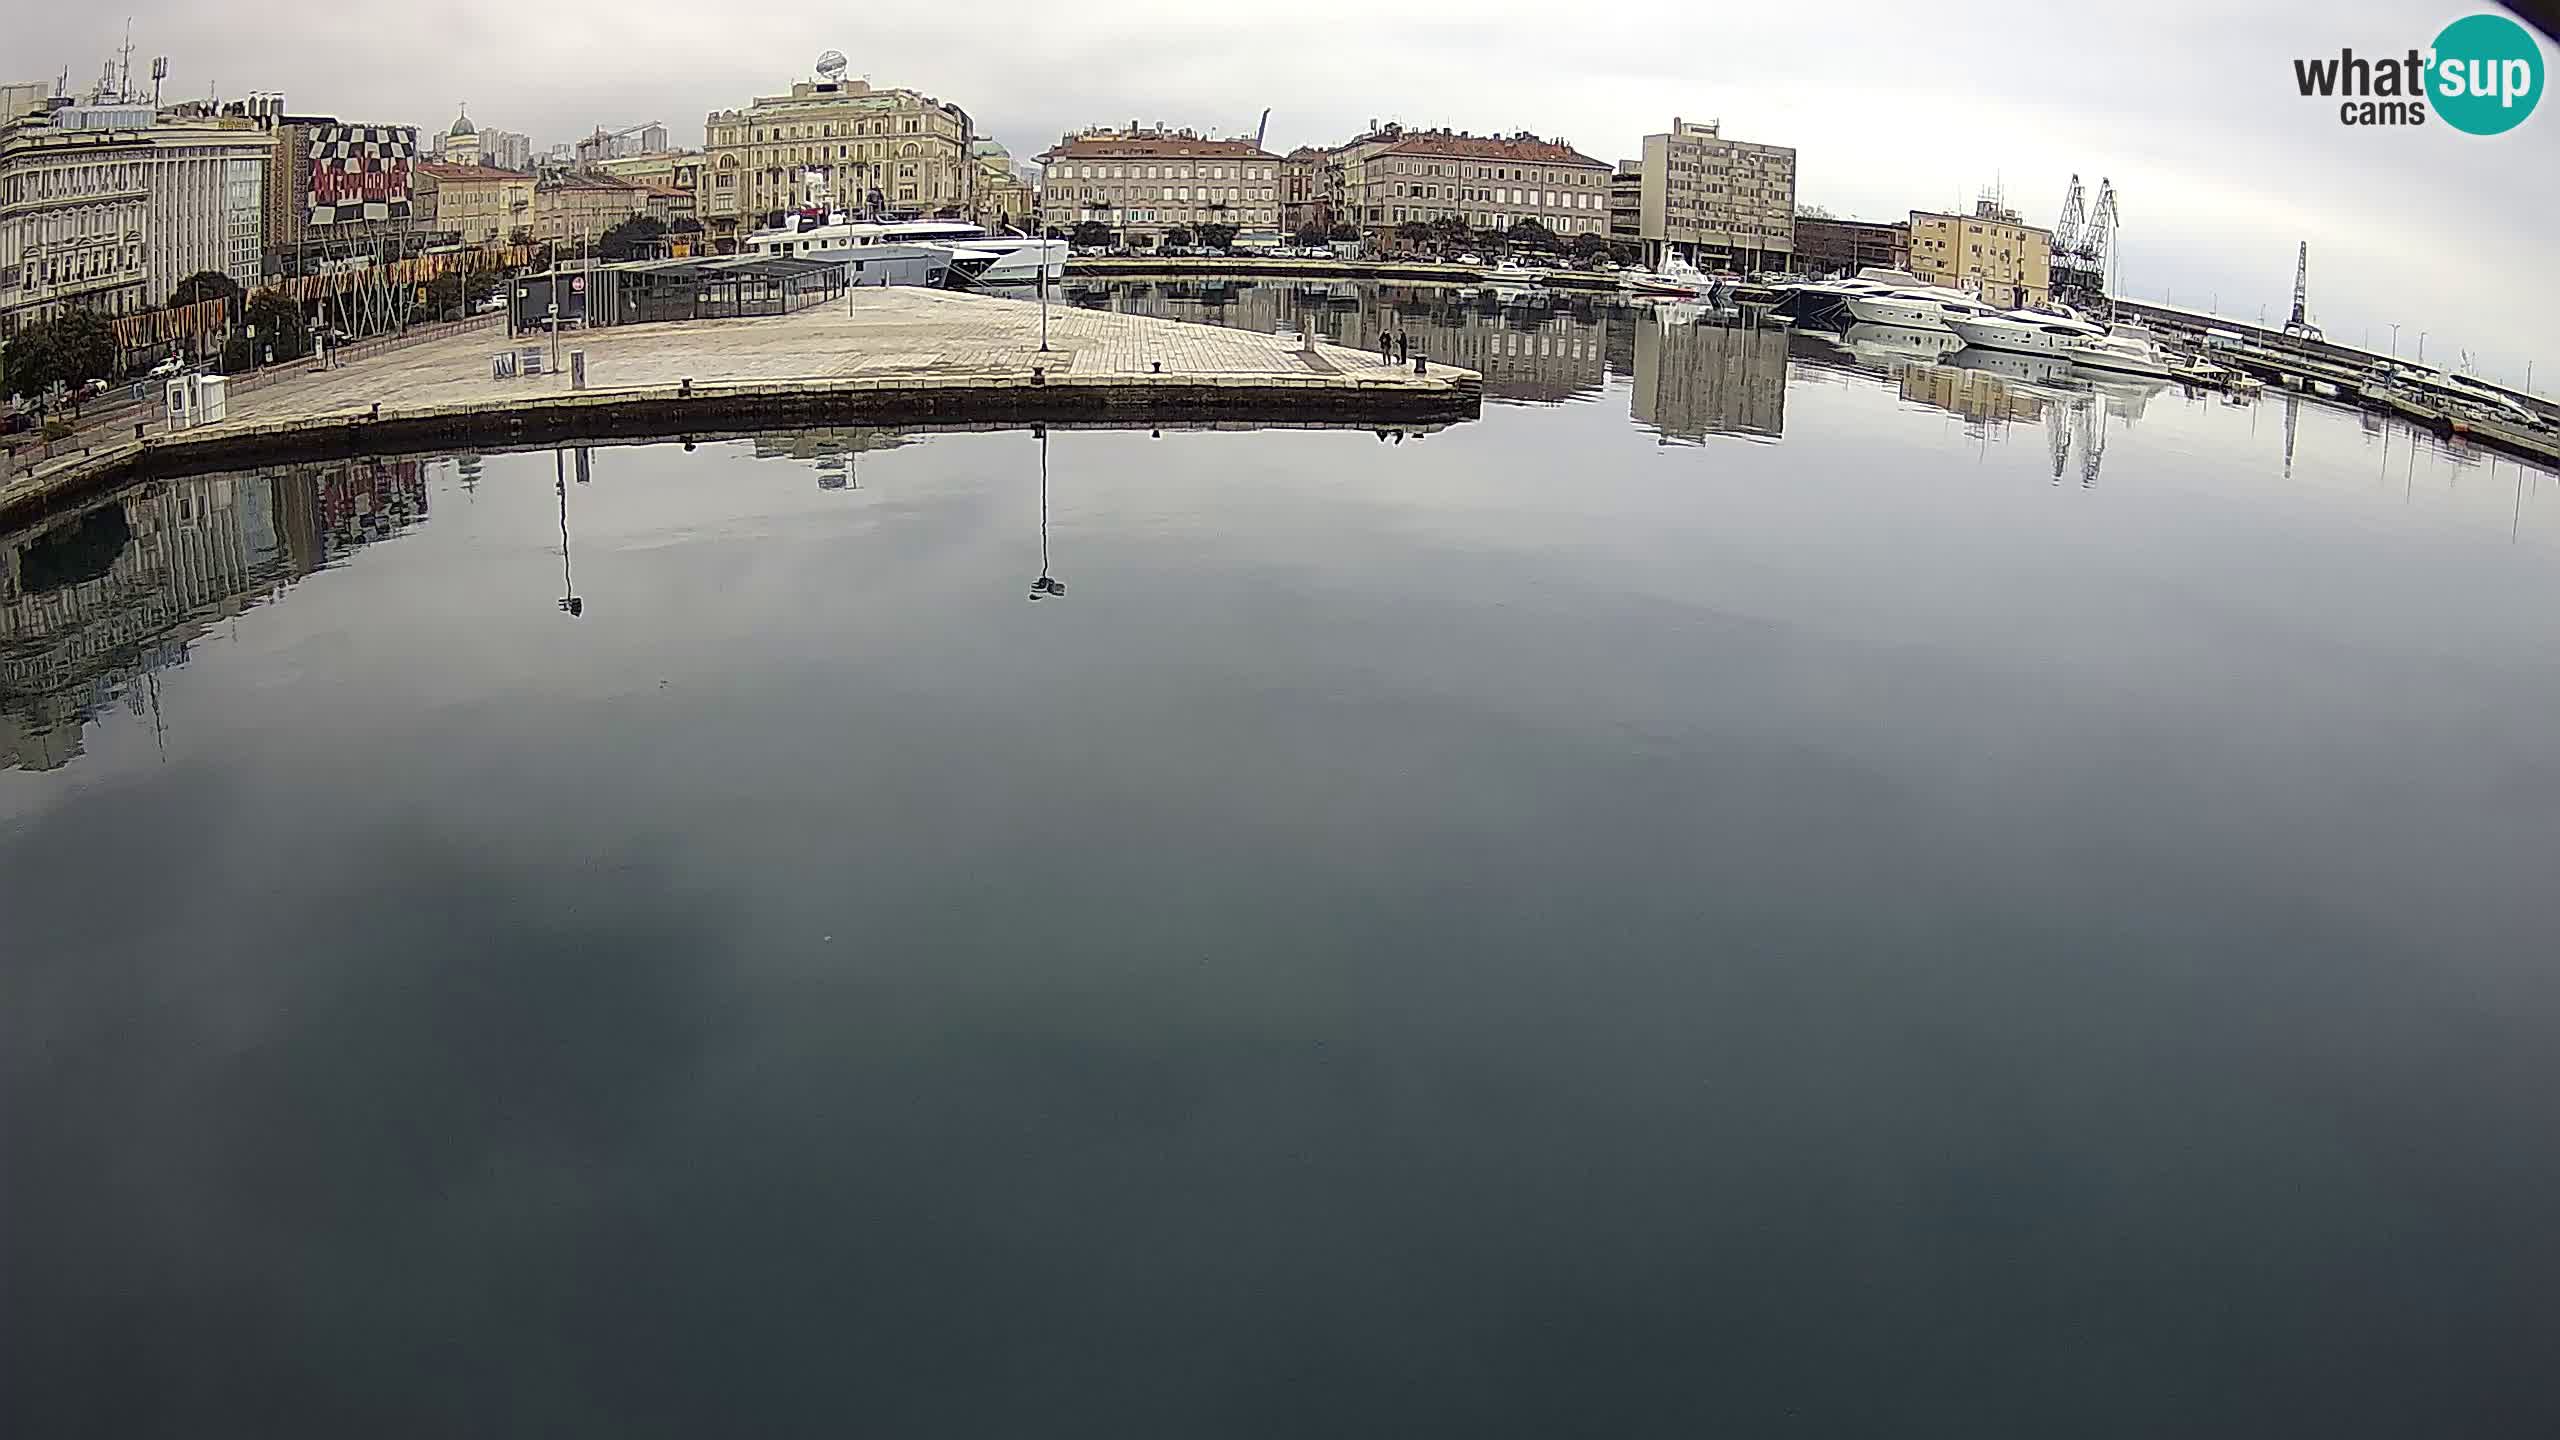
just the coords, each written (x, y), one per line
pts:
(205, 285)
(1453, 230)
(1530, 235)
(1311, 233)
(1178, 235)
(1414, 232)
(1217, 235)
(71, 349)
(1343, 232)
(1589, 245)
(634, 239)
(1090, 235)
(280, 334)
(686, 225)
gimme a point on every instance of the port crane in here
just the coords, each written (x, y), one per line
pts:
(2082, 239)
(2299, 327)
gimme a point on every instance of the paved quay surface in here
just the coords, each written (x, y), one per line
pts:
(904, 353)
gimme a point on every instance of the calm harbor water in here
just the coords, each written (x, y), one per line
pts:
(1767, 885)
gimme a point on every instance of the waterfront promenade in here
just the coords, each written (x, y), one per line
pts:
(903, 356)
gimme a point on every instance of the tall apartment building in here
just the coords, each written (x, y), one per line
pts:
(1717, 202)
(872, 151)
(107, 207)
(2010, 262)
(506, 150)
(1393, 175)
(1146, 180)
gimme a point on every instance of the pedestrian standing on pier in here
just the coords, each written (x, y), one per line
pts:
(1404, 347)
(1386, 348)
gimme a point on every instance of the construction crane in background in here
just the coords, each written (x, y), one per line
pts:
(599, 146)
(2082, 239)
(2300, 327)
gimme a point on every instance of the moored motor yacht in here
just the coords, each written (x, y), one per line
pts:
(2023, 332)
(1918, 307)
(2123, 350)
(973, 255)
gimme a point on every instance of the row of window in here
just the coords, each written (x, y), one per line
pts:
(1504, 195)
(1537, 174)
(909, 125)
(53, 182)
(1092, 170)
(1162, 192)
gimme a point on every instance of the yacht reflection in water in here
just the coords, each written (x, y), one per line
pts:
(96, 604)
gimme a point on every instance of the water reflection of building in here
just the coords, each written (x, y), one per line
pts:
(91, 605)
(830, 452)
(1977, 395)
(1696, 380)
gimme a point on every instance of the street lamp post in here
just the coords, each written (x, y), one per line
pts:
(2395, 339)
(2422, 347)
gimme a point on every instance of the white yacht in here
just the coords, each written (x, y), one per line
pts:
(1674, 276)
(2023, 332)
(966, 250)
(1918, 307)
(2123, 350)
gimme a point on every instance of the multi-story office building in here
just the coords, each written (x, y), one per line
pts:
(1393, 175)
(107, 207)
(1146, 180)
(1828, 246)
(2009, 261)
(1717, 202)
(478, 203)
(867, 150)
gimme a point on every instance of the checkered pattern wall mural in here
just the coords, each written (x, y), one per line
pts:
(361, 172)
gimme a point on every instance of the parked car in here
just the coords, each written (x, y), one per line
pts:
(166, 368)
(16, 422)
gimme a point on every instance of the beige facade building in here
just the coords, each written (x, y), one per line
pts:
(483, 205)
(569, 210)
(1392, 175)
(107, 207)
(1717, 202)
(665, 169)
(1003, 197)
(2010, 262)
(891, 152)
(461, 144)
(1305, 198)
(1145, 181)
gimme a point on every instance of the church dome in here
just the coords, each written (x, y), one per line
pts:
(461, 127)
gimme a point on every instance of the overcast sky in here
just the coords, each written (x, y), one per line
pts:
(2190, 108)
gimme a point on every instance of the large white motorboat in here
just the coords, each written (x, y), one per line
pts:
(2123, 350)
(974, 254)
(1674, 277)
(2024, 332)
(1918, 307)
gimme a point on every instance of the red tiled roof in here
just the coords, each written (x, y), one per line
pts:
(1153, 147)
(444, 171)
(1491, 147)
